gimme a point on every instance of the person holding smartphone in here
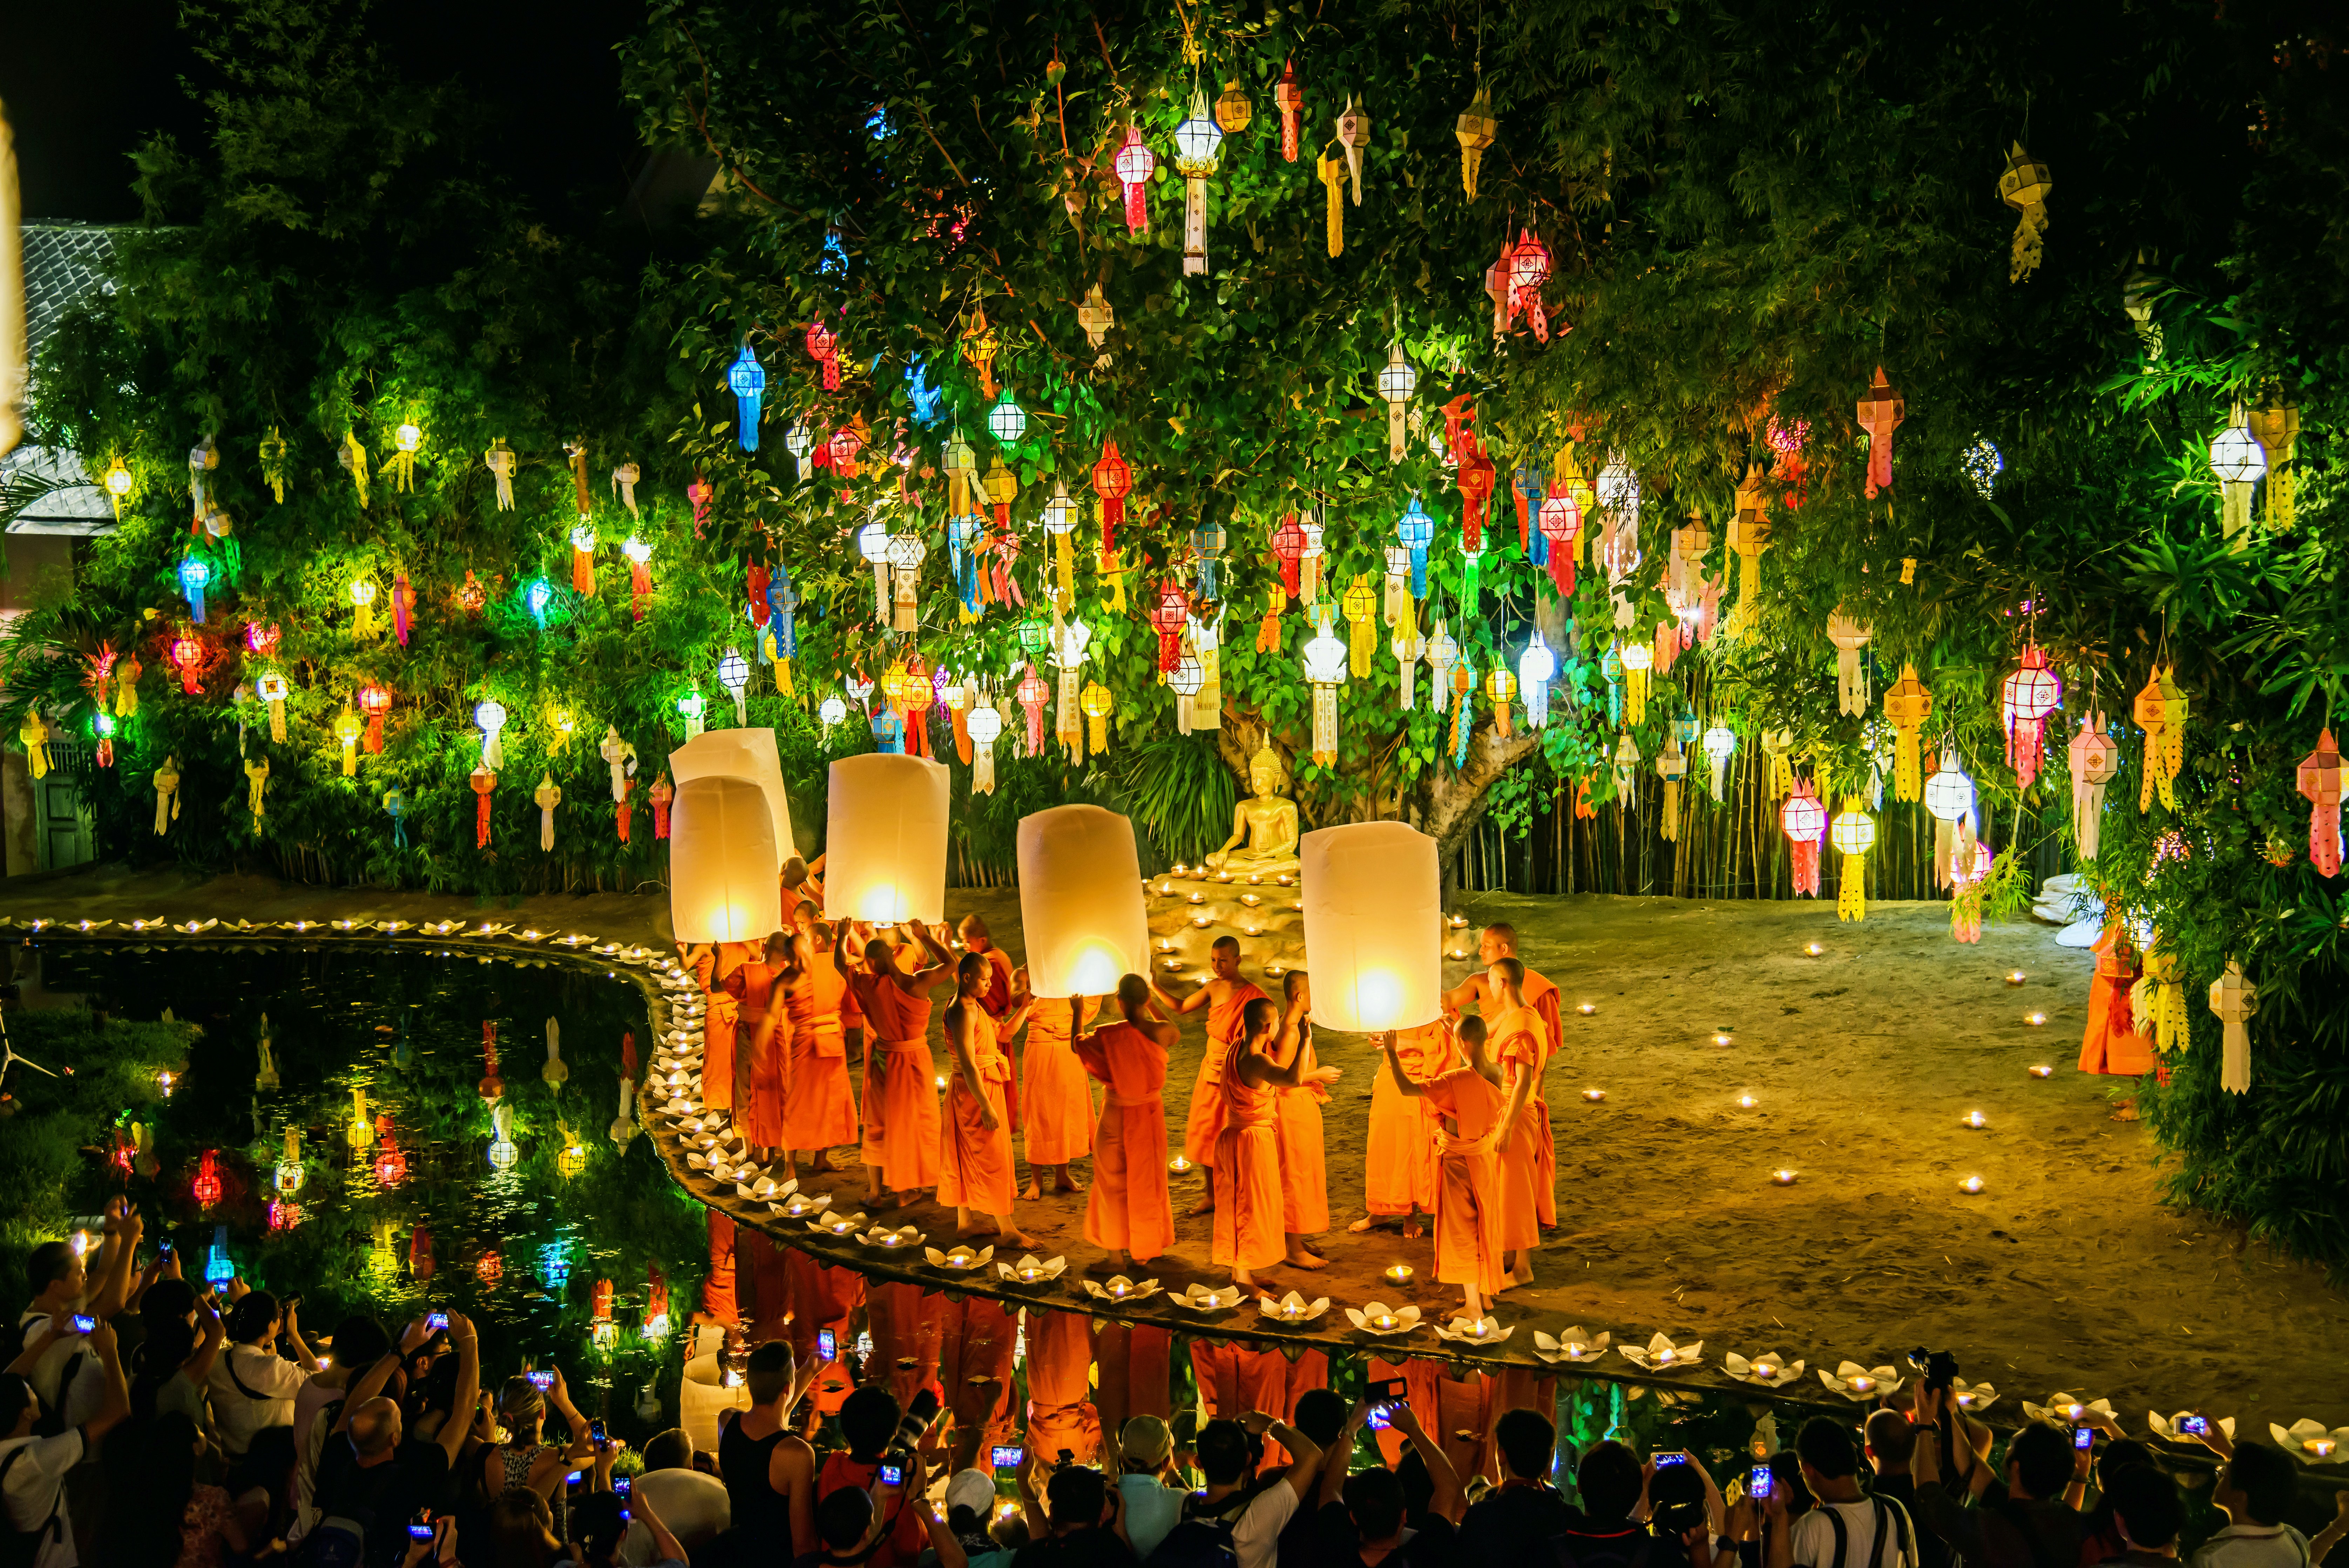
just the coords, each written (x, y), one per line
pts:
(1364, 1518)
(768, 1468)
(1849, 1528)
(371, 1470)
(34, 1466)
(525, 1459)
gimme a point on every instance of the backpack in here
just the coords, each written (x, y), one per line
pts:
(1891, 1520)
(1630, 1553)
(52, 1419)
(1202, 1538)
(21, 1548)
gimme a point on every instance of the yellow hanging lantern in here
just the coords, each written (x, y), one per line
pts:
(1360, 605)
(979, 346)
(1501, 687)
(1477, 129)
(1907, 705)
(2160, 712)
(346, 731)
(1639, 658)
(2277, 430)
(573, 1159)
(1061, 523)
(1332, 173)
(405, 442)
(363, 598)
(562, 725)
(1097, 705)
(1853, 833)
(355, 462)
(1233, 110)
(2024, 185)
(1749, 535)
(2157, 999)
(1671, 766)
(35, 733)
(118, 483)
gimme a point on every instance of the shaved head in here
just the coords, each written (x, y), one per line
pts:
(1132, 991)
(1223, 944)
(972, 926)
(1500, 941)
(375, 1429)
(795, 872)
(1259, 1017)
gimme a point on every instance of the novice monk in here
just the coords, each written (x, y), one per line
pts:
(1468, 1101)
(1224, 995)
(1399, 1171)
(1248, 1232)
(1499, 941)
(764, 1071)
(1514, 1033)
(1054, 1105)
(975, 1142)
(901, 1098)
(1129, 1212)
(1297, 1116)
(819, 1107)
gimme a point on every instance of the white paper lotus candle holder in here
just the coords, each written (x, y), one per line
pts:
(1373, 898)
(724, 867)
(1856, 1382)
(1572, 1345)
(1293, 1308)
(2067, 1409)
(1197, 1297)
(1120, 1289)
(1660, 1354)
(2167, 1425)
(801, 1205)
(1972, 1395)
(960, 1258)
(1382, 1319)
(1083, 924)
(1032, 1270)
(1473, 1331)
(900, 1241)
(886, 839)
(1765, 1371)
(2312, 1442)
(841, 1225)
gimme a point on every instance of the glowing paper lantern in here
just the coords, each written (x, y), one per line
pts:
(746, 753)
(1007, 421)
(1168, 618)
(1849, 638)
(1133, 165)
(1325, 660)
(1949, 797)
(271, 687)
(2032, 694)
(1804, 822)
(503, 1152)
(206, 1186)
(1720, 746)
(886, 840)
(376, 702)
(1374, 911)
(194, 573)
(2095, 760)
(984, 726)
(346, 733)
(734, 675)
(1475, 130)
(1112, 481)
(2320, 784)
(1197, 142)
(2240, 462)
(2160, 712)
(1080, 901)
(1536, 666)
(1638, 660)
(1880, 413)
(2024, 185)
(2234, 999)
(490, 718)
(1907, 705)
(1415, 531)
(1398, 379)
(1853, 833)
(724, 868)
(1559, 523)
(747, 378)
(690, 707)
(290, 1174)
(1290, 98)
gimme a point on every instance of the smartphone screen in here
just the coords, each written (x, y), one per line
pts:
(893, 1475)
(1664, 1459)
(1008, 1457)
(420, 1532)
(827, 1347)
(542, 1381)
(1378, 1420)
(620, 1485)
(436, 1320)
(84, 1324)
(1757, 1481)
(2083, 1436)
(595, 1428)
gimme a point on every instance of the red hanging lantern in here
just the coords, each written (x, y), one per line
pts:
(1113, 482)
(1288, 548)
(700, 492)
(1561, 522)
(1032, 692)
(188, 655)
(262, 639)
(206, 1187)
(471, 596)
(490, 1267)
(661, 794)
(484, 782)
(390, 1164)
(1169, 616)
(492, 1086)
(824, 347)
(1805, 821)
(2032, 694)
(845, 443)
(2320, 783)
(1528, 269)
(1291, 100)
(1476, 478)
(376, 701)
(420, 1253)
(756, 586)
(1133, 165)
(403, 605)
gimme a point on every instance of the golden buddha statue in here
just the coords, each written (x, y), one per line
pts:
(1265, 822)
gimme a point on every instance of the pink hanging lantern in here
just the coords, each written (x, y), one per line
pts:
(2320, 782)
(824, 347)
(1561, 524)
(1032, 692)
(2033, 693)
(1134, 163)
(1805, 821)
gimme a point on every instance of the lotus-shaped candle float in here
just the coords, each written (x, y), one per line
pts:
(1293, 1308)
(2067, 1409)
(1972, 1396)
(194, 928)
(2167, 1425)
(751, 1182)
(696, 1158)
(1032, 1270)
(1473, 1331)
(837, 1224)
(790, 1202)
(2312, 1442)
(1120, 1289)
(960, 1258)
(389, 928)
(891, 1240)
(1661, 1354)
(1200, 1298)
(1572, 1345)
(1853, 1381)
(1380, 1318)
(352, 925)
(1763, 1371)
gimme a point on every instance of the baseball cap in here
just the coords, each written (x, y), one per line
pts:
(1145, 1440)
(973, 1490)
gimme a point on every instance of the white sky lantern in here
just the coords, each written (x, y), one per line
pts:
(1374, 918)
(724, 868)
(1080, 901)
(886, 840)
(744, 754)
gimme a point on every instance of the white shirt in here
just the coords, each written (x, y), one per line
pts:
(2254, 1546)
(1255, 1533)
(1813, 1539)
(37, 1483)
(81, 1401)
(694, 1506)
(309, 1443)
(237, 1415)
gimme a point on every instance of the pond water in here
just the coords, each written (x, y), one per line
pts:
(445, 1157)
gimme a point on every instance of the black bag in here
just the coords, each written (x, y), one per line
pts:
(1629, 1550)
(21, 1548)
(1202, 1538)
(1891, 1520)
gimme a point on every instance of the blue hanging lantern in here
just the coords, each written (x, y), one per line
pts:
(1417, 532)
(219, 1269)
(396, 805)
(194, 573)
(782, 607)
(962, 541)
(1464, 724)
(1531, 486)
(1610, 665)
(1209, 541)
(536, 596)
(929, 397)
(1684, 728)
(748, 378)
(888, 732)
(554, 1266)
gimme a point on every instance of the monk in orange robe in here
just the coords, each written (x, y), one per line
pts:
(1224, 995)
(1248, 1212)
(975, 1169)
(1399, 1174)
(1056, 1097)
(818, 1109)
(1468, 1102)
(1129, 1213)
(1499, 941)
(1513, 1032)
(760, 1108)
(1060, 1415)
(713, 964)
(901, 1098)
(2113, 1044)
(1304, 1159)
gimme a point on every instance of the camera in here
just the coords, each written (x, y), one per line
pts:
(1939, 1366)
(1064, 1458)
(892, 1473)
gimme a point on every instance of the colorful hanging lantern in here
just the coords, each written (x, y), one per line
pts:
(1528, 265)
(1626, 768)
(1880, 413)
(490, 718)
(1417, 532)
(984, 726)
(2024, 185)
(2095, 760)
(1804, 822)
(1442, 653)
(1032, 693)
(546, 798)
(376, 702)
(1308, 560)
(2160, 712)
(2320, 784)
(206, 1186)
(1290, 98)
(2240, 462)
(1331, 172)
(1097, 704)
(1234, 112)
(289, 1175)
(1853, 833)
(190, 656)
(2032, 694)
(1007, 421)
(1002, 487)
(2277, 430)
(1477, 129)
(1133, 165)
(1352, 131)
(1197, 142)
(1720, 746)
(1112, 480)
(1206, 547)
(1326, 662)
(194, 573)
(1398, 379)
(1671, 766)
(1407, 645)
(364, 594)
(2234, 999)
(640, 577)
(747, 378)
(873, 544)
(824, 347)
(1095, 317)
(271, 687)
(1907, 706)
(1949, 797)
(1536, 667)
(1638, 658)
(391, 1168)
(1849, 638)
(1360, 605)
(1167, 619)
(1561, 530)
(1288, 549)
(734, 675)
(1059, 522)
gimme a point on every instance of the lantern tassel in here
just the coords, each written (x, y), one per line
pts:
(1333, 177)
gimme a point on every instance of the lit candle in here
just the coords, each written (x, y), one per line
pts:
(1664, 1355)
(1386, 1320)
(2043, 1072)
(1167, 888)
(1180, 1165)
(1181, 869)
(1747, 1102)
(1198, 898)
(1399, 1273)
(1765, 1369)
(2014, 977)
(1165, 944)
(1574, 1349)
(1587, 1008)
(1030, 1274)
(1721, 1039)
(1976, 1119)
(1476, 1329)
(1862, 1385)
(1965, 1401)
(1971, 1184)
(163, 1081)
(1456, 954)
(1782, 1178)
(2072, 1412)
(941, 1080)
(2322, 1448)
(1815, 949)
(1252, 930)
(1202, 922)
(2034, 1018)
(1119, 1287)
(1594, 1096)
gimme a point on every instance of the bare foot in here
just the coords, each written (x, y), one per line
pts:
(1299, 1258)
(1412, 1230)
(1367, 1222)
(1314, 1250)
(1244, 1280)
(1014, 1239)
(1205, 1206)
(1032, 1190)
(1067, 1183)
(2125, 1111)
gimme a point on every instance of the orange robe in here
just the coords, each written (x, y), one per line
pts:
(1133, 1360)
(1399, 1166)
(1468, 1244)
(906, 1327)
(996, 997)
(1304, 1160)
(1204, 1120)
(1060, 1415)
(974, 1161)
(1514, 1038)
(2113, 1044)
(1129, 1208)
(901, 1094)
(819, 1107)
(760, 1114)
(1542, 999)
(1056, 1097)
(976, 1342)
(717, 1028)
(1247, 1153)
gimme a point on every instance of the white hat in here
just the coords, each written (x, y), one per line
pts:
(973, 1490)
